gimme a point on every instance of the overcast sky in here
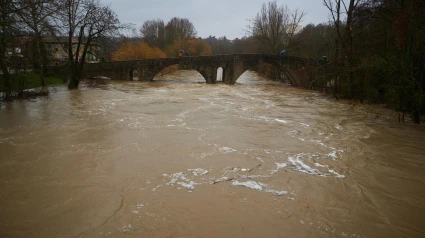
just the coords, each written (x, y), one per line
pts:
(211, 17)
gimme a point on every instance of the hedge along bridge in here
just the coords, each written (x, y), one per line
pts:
(297, 70)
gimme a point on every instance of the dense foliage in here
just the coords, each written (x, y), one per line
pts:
(379, 57)
(131, 51)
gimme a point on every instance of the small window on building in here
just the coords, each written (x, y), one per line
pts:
(57, 49)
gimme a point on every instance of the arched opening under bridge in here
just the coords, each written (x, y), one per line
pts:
(179, 73)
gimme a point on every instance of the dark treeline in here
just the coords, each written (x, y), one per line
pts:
(156, 33)
(222, 45)
(375, 49)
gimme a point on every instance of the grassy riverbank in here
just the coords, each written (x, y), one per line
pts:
(25, 81)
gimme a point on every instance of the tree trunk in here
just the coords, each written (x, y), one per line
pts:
(74, 79)
(336, 60)
(43, 60)
(73, 82)
(36, 59)
(6, 75)
(349, 29)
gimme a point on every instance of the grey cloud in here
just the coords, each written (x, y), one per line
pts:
(217, 17)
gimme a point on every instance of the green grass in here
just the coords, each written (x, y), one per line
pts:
(31, 80)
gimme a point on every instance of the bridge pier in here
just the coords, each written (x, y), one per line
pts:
(234, 69)
(209, 72)
(146, 73)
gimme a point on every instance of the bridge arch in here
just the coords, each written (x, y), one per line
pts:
(294, 74)
(180, 66)
(175, 67)
(133, 74)
(147, 72)
(220, 74)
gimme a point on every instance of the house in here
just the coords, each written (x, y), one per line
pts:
(292, 28)
(19, 53)
(57, 50)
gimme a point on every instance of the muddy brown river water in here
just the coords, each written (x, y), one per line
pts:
(180, 158)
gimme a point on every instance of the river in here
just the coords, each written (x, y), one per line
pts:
(180, 158)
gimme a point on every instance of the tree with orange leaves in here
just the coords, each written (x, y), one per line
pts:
(194, 46)
(130, 51)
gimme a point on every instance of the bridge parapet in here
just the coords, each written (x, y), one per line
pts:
(233, 67)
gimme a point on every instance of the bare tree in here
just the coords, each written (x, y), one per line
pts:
(179, 29)
(9, 31)
(153, 33)
(274, 26)
(343, 40)
(349, 40)
(84, 21)
(36, 15)
(334, 7)
(296, 18)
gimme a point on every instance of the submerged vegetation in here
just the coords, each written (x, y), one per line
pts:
(23, 85)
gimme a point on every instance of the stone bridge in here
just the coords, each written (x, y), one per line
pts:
(297, 70)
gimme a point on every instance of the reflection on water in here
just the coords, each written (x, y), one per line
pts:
(180, 158)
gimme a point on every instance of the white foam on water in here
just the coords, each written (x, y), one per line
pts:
(281, 165)
(318, 142)
(337, 174)
(281, 121)
(198, 171)
(273, 119)
(278, 193)
(126, 228)
(250, 184)
(259, 187)
(339, 127)
(135, 212)
(320, 165)
(333, 155)
(262, 161)
(254, 176)
(301, 166)
(189, 185)
(304, 125)
(226, 150)
(174, 177)
(180, 179)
